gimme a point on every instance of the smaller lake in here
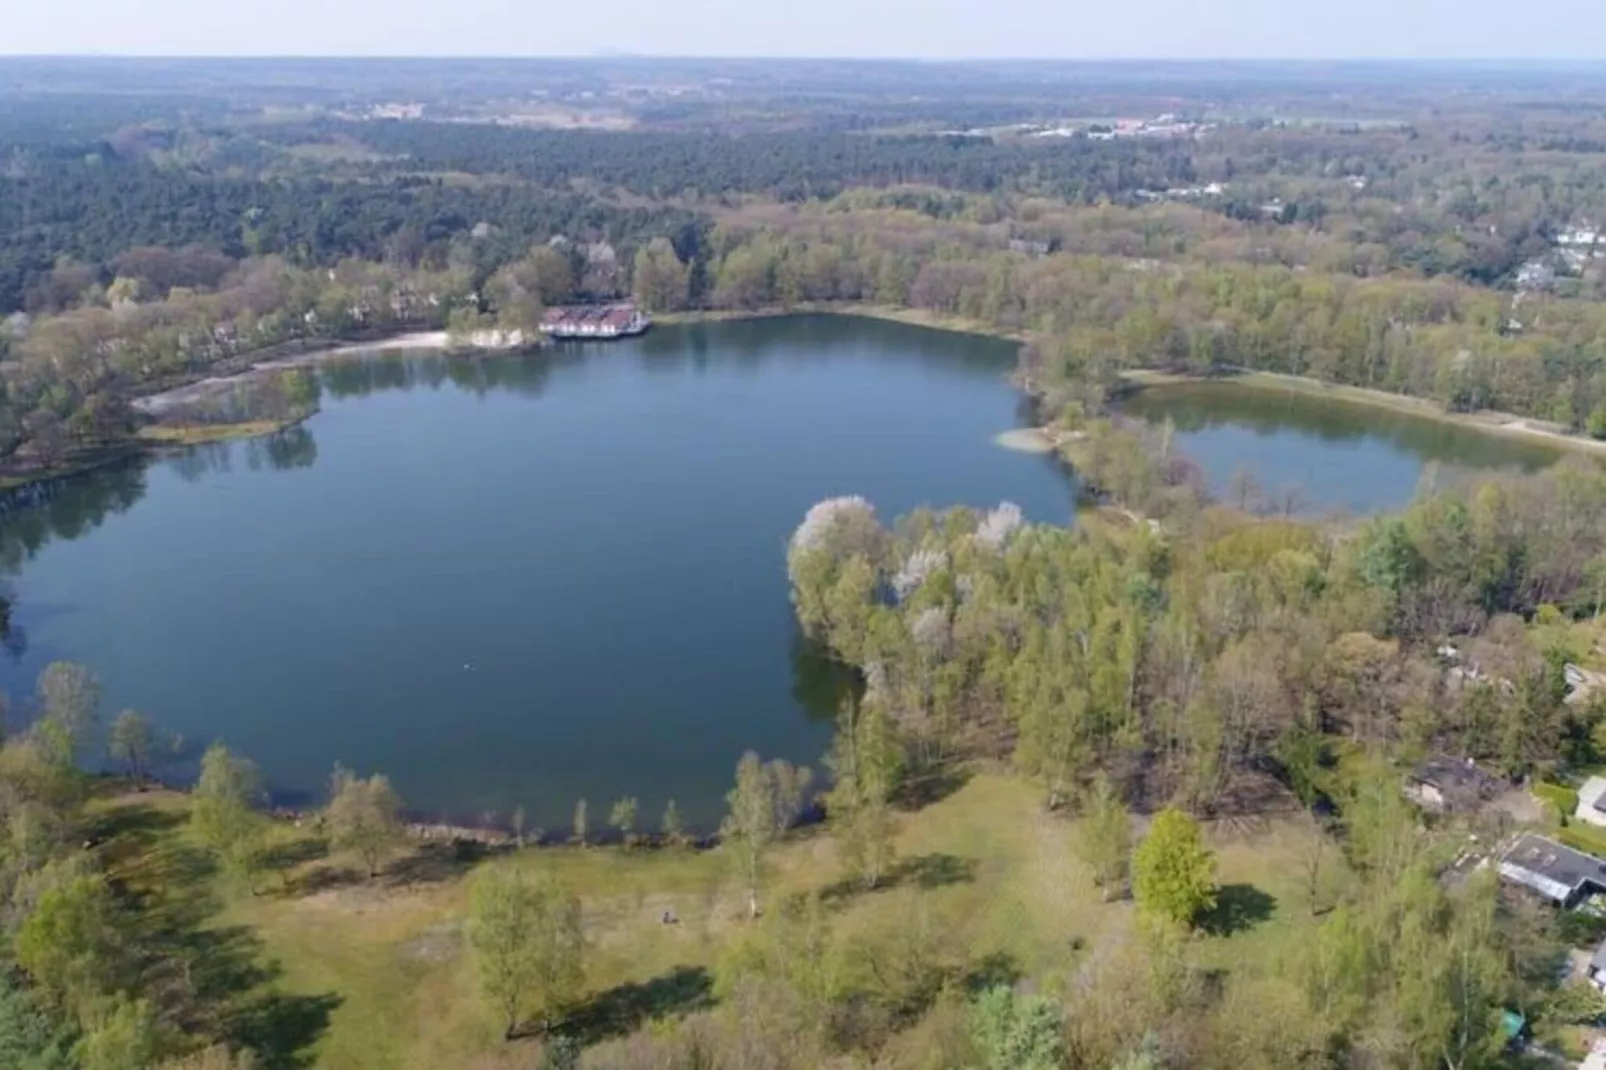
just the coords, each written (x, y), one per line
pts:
(1333, 455)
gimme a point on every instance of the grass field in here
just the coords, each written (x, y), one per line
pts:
(372, 975)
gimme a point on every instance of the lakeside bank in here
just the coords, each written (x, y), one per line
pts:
(156, 437)
(1488, 421)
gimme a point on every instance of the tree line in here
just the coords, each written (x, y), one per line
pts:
(70, 376)
(96, 209)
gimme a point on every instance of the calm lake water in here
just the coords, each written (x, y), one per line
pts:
(521, 580)
(1333, 455)
(524, 580)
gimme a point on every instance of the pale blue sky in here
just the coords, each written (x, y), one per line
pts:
(917, 28)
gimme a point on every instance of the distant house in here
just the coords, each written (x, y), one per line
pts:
(595, 321)
(1450, 785)
(1555, 872)
(1591, 807)
(1536, 275)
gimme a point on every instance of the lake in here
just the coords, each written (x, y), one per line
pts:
(517, 581)
(1332, 455)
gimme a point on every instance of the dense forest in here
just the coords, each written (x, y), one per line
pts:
(97, 209)
(1156, 289)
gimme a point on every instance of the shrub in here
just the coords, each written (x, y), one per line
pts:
(1564, 799)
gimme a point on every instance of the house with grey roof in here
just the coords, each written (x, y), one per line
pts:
(1554, 871)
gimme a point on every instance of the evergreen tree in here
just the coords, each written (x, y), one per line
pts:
(1173, 873)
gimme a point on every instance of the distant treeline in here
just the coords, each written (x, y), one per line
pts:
(95, 208)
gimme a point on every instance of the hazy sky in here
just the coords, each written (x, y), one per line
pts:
(923, 28)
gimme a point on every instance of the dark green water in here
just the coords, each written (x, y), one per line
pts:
(523, 580)
(1334, 456)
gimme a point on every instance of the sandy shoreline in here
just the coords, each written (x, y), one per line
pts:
(415, 340)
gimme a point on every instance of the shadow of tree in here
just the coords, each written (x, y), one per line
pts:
(624, 1008)
(134, 826)
(936, 870)
(990, 971)
(1238, 907)
(206, 979)
(281, 1028)
(931, 785)
(432, 863)
(296, 852)
(324, 879)
(220, 962)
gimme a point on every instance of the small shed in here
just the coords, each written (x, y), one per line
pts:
(1451, 784)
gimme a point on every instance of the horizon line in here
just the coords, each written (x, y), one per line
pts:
(820, 58)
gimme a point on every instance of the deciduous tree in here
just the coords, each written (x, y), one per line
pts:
(363, 816)
(763, 804)
(866, 763)
(223, 809)
(69, 944)
(660, 280)
(526, 935)
(622, 816)
(125, 1035)
(1105, 838)
(580, 822)
(131, 740)
(68, 696)
(671, 825)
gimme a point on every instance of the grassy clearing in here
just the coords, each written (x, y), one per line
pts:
(383, 963)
